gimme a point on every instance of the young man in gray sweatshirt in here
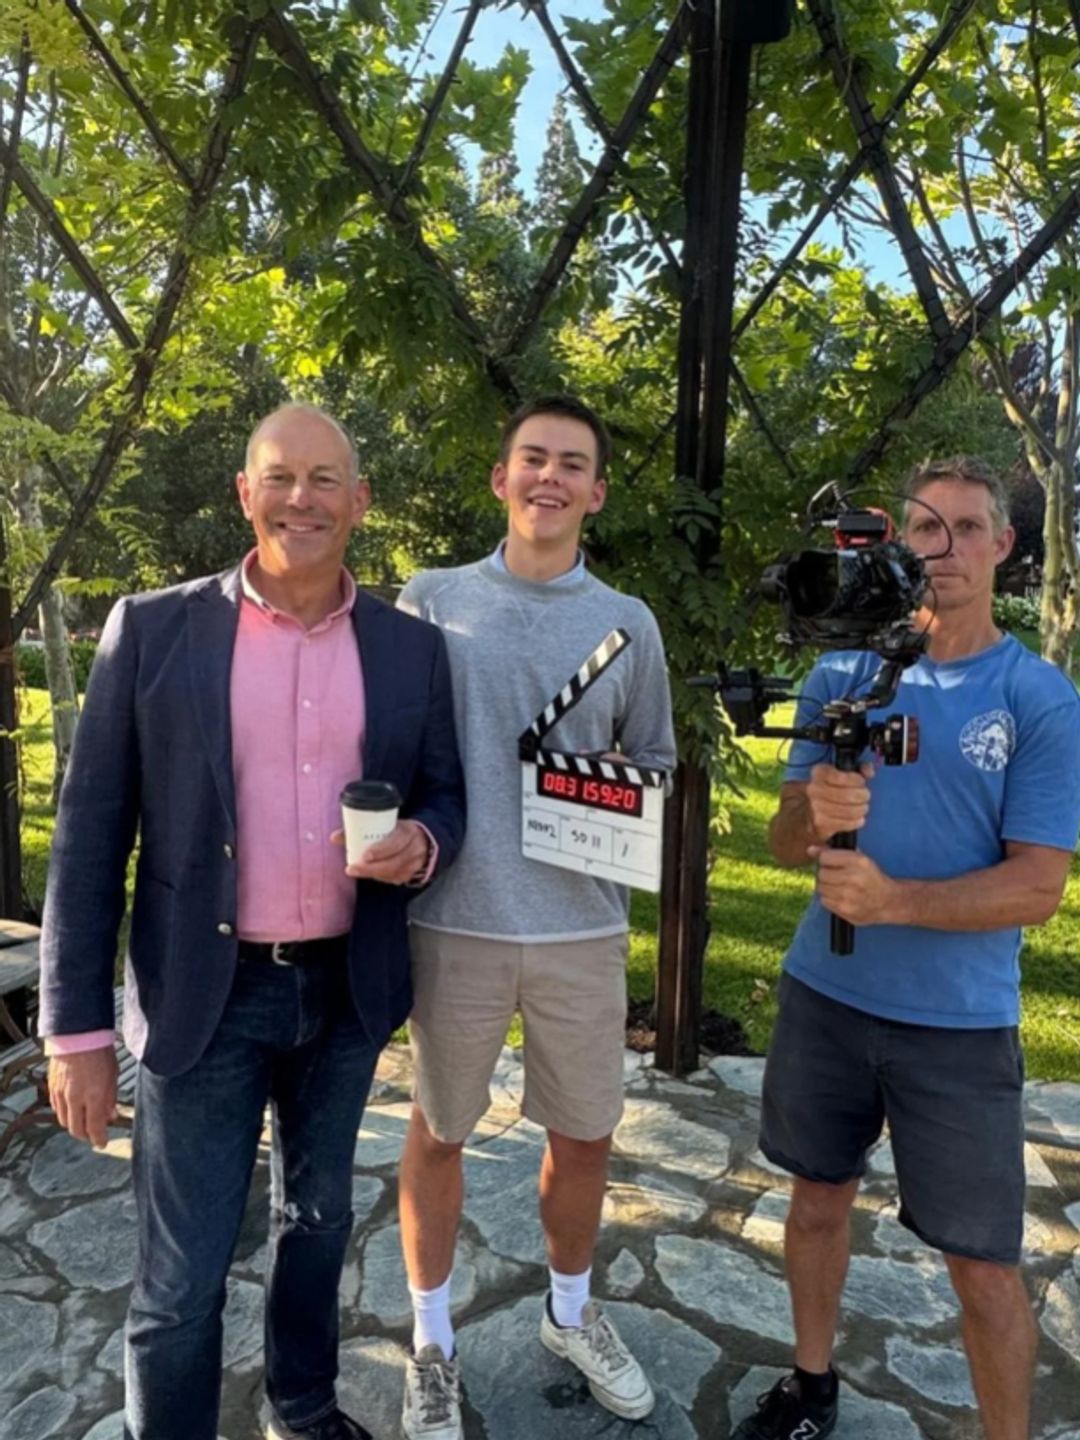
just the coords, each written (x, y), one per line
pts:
(504, 932)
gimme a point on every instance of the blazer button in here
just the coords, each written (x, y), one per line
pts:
(225, 928)
(229, 851)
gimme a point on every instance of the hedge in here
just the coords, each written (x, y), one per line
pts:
(30, 663)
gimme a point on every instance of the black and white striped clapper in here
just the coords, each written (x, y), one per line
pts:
(589, 813)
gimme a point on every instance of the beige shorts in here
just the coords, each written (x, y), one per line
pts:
(572, 998)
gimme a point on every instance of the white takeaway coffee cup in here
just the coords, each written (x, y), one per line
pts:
(369, 811)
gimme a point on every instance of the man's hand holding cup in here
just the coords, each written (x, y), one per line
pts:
(379, 846)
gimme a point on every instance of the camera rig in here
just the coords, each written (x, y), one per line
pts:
(862, 594)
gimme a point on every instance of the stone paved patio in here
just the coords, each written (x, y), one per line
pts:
(689, 1265)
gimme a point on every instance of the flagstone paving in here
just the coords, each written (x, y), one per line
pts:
(689, 1266)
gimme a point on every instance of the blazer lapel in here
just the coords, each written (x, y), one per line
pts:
(370, 619)
(213, 615)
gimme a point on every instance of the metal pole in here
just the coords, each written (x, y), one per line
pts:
(732, 92)
(722, 40)
(677, 1017)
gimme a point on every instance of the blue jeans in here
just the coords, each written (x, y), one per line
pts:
(289, 1035)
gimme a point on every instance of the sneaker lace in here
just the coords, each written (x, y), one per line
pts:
(605, 1343)
(778, 1405)
(438, 1389)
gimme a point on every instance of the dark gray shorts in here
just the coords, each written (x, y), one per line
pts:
(953, 1100)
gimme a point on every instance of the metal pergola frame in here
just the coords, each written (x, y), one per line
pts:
(720, 35)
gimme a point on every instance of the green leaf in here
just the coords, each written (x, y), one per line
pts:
(367, 12)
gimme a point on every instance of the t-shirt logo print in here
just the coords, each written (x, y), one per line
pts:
(989, 740)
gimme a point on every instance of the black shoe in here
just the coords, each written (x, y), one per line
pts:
(335, 1426)
(782, 1414)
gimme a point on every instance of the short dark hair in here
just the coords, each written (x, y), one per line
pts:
(968, 470)
(573, 409)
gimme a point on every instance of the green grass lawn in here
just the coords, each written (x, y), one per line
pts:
(37, 769)
(754, 908)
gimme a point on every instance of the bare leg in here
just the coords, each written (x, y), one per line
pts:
(816, 1246)
(430, 1192)
(1000, 1339)
(573, 1178)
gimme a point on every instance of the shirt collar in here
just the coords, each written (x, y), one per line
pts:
(568, 577)
(247, 587)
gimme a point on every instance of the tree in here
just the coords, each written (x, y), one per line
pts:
(1017, 177)
(99, 177)
(497, 185)
(1027, 509)
(986, 162)
(561, 174)
(44, 343)
(59, 668)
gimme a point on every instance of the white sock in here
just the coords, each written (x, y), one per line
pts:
(431, 1319)
(569, 1296)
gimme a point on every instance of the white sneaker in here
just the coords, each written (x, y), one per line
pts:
(615, 1378)
(432, 1408)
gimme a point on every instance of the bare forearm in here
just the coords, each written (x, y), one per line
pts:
(791, 832)
(1011, 893)
(811, 812)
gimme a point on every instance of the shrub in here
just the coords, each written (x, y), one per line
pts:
(30, 660)
(1016, 612)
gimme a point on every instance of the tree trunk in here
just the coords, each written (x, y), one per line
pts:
(1059, 614)
(11, 897)
(59, 669)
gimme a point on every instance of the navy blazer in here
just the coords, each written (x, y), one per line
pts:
(153, 758)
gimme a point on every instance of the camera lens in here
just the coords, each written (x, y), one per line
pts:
(813, 582)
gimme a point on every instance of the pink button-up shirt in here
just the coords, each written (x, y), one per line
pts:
(297, 706)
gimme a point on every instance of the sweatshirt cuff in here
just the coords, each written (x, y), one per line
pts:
(76, 1044)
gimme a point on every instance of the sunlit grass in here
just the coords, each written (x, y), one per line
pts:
(36, 756)
(754, 908)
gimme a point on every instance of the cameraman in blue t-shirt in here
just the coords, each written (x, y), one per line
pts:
(919, 1026)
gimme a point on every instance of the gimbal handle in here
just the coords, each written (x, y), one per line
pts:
(842, 932)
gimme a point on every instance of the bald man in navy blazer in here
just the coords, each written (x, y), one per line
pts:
(221, 720)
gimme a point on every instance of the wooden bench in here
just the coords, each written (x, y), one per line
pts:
(19, 969)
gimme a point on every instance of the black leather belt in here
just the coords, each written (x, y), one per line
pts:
(294, 952)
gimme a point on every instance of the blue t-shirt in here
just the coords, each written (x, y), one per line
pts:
(999, 759)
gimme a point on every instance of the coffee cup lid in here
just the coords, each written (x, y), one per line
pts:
(370, 795)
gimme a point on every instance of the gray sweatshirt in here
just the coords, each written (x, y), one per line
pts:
(513, 645)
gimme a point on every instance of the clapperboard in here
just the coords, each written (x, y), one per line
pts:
(599, 817)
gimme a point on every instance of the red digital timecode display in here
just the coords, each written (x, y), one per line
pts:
(619, 798)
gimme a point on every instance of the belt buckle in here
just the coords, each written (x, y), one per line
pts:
(281, 950)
